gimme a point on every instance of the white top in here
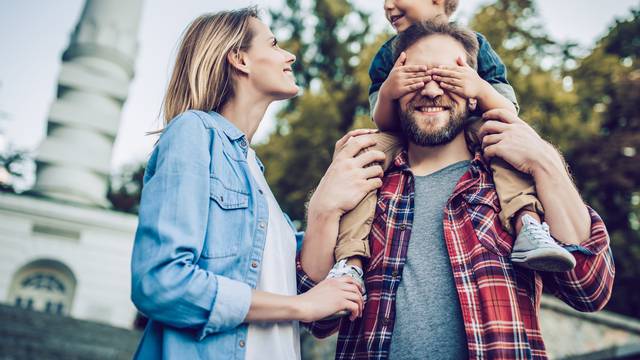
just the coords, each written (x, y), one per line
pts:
(271, 340)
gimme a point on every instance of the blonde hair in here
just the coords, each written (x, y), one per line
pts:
(202, 75)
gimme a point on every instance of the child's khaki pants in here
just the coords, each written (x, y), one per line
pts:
(516, 191)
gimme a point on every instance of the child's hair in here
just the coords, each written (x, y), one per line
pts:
(422, 29)
(450, 6)
(202, 75)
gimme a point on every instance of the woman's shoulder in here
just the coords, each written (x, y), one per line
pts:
(191, 120)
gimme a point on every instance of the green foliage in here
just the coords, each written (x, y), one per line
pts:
(331, 67)
(607, 82)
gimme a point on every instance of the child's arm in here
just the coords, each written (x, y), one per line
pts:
(402, 80)
(465, 81)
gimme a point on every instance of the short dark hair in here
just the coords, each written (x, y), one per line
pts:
(450, 6)
(423, 29)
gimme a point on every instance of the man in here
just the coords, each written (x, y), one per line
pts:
(440, 282)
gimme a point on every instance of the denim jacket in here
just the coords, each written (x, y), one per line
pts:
(199, 243)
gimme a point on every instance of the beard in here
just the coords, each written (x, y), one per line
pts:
(443, 135)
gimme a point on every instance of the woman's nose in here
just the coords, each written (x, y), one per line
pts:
(389, 4)
(291, 58)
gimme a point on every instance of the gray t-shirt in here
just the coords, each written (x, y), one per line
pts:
(428, 321)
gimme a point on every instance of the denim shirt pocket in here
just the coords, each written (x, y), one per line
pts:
(228, 216)
(483, 208)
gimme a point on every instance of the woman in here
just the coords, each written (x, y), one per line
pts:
(213, 263)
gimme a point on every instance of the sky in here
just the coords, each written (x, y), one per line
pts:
(34, 34)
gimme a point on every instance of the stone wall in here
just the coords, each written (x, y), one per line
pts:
(30, 335)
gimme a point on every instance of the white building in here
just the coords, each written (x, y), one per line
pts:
(63, 250)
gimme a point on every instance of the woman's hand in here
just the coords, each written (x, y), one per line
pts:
(349, 177)
(329, 297)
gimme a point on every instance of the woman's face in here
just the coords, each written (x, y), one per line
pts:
(270, 66)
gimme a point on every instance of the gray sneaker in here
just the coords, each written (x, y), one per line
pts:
(535, 249)
(341, 268)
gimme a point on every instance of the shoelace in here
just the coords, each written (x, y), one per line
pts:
(540, 234)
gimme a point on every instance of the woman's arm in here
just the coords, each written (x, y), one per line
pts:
(167, 285)
(325, 299)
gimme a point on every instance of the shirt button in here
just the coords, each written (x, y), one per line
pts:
(243, 143)
(385, 321)
(261, 225)
(254, 264)
(403, 227)
(241, 343)
(394, 274)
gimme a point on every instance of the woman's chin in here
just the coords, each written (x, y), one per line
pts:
(288, 93)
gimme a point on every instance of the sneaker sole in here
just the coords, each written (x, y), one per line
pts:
(551, 260)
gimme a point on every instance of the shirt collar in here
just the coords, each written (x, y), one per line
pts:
(232, 132)
(478, 178)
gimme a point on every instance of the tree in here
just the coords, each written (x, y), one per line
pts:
(329, 41)
(607, 82)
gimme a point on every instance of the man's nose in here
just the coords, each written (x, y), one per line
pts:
(432, 90)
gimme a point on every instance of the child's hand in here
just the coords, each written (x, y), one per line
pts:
(461, 80)
(404, 79)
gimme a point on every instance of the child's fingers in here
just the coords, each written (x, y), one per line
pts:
(456, 89)
(412, 87)
(414, 68)
(449, 80)
(416, 75)
(401, 59)
(445, 73)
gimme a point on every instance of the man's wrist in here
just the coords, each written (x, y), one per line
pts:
(321, 212)
(548, 165)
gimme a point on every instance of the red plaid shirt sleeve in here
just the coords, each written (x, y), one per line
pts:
(588, 287)
(319, 329)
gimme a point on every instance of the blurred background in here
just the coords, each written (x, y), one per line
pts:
(81, 82)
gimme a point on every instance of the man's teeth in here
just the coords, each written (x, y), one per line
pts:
(430, 109)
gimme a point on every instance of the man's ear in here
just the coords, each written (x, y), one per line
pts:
(238, 60)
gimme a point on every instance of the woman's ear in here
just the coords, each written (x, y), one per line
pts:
(238, 60)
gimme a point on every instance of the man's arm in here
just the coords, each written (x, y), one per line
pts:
(588, 286)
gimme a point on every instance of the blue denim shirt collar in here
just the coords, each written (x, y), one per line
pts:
(233, 133)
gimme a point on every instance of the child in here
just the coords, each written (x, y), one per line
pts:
(487, 88)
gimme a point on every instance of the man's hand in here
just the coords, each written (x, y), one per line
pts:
(349, 177)
(507, 136)
(462, 79)
(404, 79)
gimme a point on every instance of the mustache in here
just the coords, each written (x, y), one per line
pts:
(440, 101)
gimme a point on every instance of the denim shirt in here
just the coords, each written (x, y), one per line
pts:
(199, 243)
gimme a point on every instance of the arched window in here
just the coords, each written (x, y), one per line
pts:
(43, 285)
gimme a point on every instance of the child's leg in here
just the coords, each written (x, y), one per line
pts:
(533, 248)
(516, 191)
(353, 234)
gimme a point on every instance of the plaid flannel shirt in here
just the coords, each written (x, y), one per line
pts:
(499, 302)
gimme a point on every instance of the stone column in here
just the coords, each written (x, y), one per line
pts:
(75, 157)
